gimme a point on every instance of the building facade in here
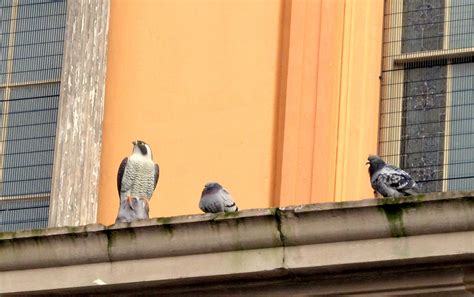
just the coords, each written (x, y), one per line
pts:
(281, 101)
(277, 100)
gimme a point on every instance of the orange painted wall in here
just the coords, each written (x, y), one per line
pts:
(329, 102)
(197, 79)
(359, 99)
(276, 99)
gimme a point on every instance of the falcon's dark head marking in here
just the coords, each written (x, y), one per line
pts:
(211, 187)
(143, 148)
(376, 163)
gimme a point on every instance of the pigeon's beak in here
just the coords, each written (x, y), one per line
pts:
(134, 142)
(367, 163)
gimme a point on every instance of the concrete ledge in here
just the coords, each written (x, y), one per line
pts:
(319, 238)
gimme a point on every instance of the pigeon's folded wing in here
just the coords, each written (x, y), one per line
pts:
(228, 202)
(397, 178)
(211, 203)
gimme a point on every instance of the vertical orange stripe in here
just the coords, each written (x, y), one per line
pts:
(327, 105)
(299, 106)
(360, 91)
(330, 101)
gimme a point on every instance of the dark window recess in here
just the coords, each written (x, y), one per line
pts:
(424, 113)
(427, 98)
(31, 49)
(423, 25)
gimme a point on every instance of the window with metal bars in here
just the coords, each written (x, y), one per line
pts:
(31, 48)
(427, 94)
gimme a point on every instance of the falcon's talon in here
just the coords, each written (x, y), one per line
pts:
(129, 200)
(147, 205)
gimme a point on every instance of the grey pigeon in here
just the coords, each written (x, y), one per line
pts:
(136, 180)
(215, 198)
(389, 180)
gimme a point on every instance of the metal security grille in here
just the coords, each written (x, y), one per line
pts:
(31, 47)
(427, 99)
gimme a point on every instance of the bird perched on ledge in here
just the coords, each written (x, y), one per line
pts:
(215, 198)
(389, 180)
(136, 180)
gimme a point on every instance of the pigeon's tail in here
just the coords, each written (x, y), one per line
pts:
(413, 191)
(231, 208)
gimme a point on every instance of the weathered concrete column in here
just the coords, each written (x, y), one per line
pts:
(74, 192)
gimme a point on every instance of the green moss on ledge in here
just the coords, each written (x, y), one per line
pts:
(394, 215)
(393, 209)
(167, 225)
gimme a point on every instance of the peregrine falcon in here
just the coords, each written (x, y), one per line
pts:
(215, 198)
(389, 180)
(136, 180)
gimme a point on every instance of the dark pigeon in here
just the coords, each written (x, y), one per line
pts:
(389, 180)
